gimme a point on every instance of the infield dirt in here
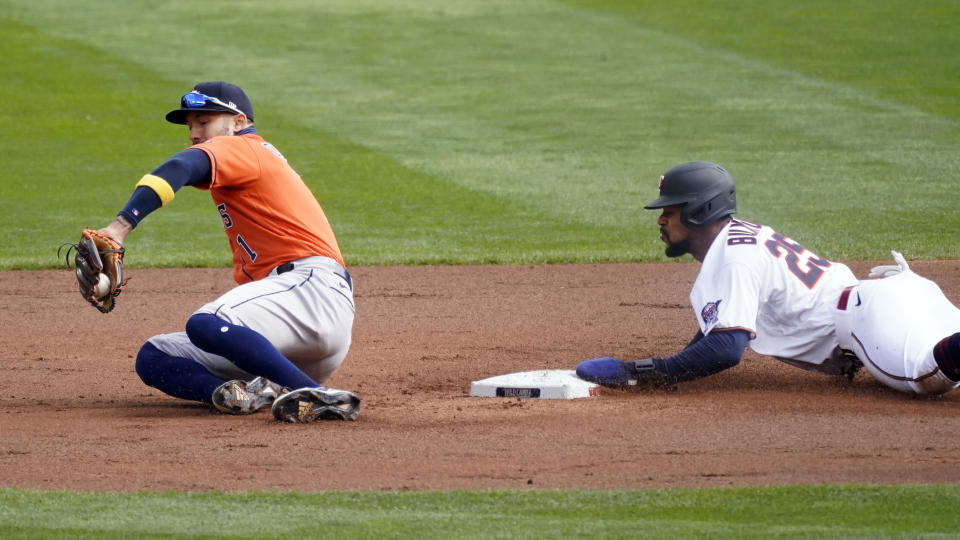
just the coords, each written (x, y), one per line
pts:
(74, 415)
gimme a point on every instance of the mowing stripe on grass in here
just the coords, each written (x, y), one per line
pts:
(551, 116)
(781, 512)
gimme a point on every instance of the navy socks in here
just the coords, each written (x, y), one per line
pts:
(246, 348)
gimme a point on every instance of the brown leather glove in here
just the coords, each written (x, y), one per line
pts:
(99, 268)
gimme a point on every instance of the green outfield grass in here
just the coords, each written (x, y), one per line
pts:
(496, 131)
(454, 131)
(780, 512)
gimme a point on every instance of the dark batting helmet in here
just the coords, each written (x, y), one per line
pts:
(705, 190)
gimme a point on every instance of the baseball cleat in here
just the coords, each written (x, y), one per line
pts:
(245, 397)
(316, 403)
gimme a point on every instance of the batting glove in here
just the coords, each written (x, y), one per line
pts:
(608, 371)
(890, 270)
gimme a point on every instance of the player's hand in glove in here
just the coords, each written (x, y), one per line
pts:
(608, 371)
(99, 268)
(890, 270)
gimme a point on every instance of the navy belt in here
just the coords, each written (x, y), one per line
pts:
(340, 271)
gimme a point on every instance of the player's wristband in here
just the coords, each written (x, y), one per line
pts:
(159, 186)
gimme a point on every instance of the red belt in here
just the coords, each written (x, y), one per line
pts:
(844, 296)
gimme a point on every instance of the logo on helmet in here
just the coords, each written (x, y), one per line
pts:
(660, 184)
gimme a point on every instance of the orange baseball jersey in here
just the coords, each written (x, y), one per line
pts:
(269, 214)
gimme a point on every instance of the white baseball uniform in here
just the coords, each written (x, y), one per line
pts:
(799, 307)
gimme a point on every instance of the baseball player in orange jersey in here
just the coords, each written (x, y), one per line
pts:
(758, 287)
(287, 326)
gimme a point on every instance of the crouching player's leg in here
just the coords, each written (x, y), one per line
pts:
(172, 364)
(175, 365)
(275, 340)
(299, 397)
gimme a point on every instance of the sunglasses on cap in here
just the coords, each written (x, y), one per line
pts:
(195, 100)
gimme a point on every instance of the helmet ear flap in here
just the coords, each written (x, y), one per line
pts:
(693, 216)
(697, 216)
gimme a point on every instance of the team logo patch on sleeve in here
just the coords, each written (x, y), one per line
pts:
(710, 311)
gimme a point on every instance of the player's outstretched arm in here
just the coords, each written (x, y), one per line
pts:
(695, 339)
(713, 353)
(705, 356)
(155, 190)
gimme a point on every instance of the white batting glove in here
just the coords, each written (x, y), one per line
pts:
(890, 270)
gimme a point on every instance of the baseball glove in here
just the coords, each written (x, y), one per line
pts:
(99, 266)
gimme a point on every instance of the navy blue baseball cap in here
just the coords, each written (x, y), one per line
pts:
(215, 96)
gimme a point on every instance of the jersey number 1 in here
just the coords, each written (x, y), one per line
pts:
(227, 223)
(794, 251)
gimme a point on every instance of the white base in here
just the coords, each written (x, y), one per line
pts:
(543, 384)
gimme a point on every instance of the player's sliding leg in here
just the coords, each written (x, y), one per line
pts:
(253, 353)
(185, 378)
(246, 348)
(947, 355)
(176, 376)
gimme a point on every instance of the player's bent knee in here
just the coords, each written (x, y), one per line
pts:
(148, 364)
(200, 326)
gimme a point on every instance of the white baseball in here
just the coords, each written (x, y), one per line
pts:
(103, 286)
